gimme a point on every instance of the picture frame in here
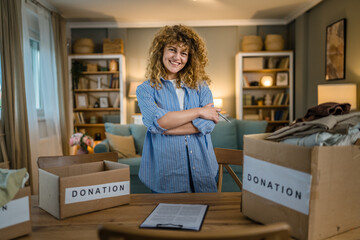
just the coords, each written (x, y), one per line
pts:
(104, 102)
(282, 79)
(335, 50)
(81, 100)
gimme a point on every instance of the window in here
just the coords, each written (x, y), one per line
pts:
(35, 65)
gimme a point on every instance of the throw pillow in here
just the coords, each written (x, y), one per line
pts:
(123, 145)
(117, 129)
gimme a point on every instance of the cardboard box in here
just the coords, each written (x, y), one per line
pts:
(253, 63)
(81, 188)
(15, 216)
(314, 189)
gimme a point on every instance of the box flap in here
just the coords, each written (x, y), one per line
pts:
(49, 192)
(285, 155)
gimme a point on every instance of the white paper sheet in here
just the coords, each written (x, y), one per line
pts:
(177, 216)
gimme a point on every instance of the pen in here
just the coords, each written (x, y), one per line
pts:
(225, 118)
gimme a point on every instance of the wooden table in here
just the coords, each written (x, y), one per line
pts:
(223, 213)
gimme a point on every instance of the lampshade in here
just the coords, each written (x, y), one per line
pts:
(267, 81)
(340, 93)
(132, 89)
(218, 102)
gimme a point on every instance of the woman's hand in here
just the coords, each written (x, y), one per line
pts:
(210, 113)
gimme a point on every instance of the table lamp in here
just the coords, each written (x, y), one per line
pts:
(218, 102)
(267, 81)
(339, 93)
(132, 94)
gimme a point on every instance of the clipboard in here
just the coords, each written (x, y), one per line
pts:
(176, 216)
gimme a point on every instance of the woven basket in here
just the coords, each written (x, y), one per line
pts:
(113, 46)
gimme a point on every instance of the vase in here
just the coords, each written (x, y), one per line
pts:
(81, 151)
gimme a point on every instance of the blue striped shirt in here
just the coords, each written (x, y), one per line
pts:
(165, 158)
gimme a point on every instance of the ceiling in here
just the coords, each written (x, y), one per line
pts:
(151, 13)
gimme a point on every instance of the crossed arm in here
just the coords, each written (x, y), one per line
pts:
(180, 122)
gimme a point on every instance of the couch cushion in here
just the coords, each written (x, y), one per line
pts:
(249, 127)
(117, 129)
(138, 132)
(134, 164)
(224, 135)
(123, 145)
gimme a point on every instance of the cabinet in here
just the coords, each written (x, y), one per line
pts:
(98, 96)
(264, 87)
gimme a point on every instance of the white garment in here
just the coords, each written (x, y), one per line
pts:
(180, 92)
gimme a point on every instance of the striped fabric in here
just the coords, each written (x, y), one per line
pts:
(164, 165)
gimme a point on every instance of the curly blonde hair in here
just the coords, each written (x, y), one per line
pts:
(193, 72)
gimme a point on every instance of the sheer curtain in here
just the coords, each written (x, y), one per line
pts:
(44, 130)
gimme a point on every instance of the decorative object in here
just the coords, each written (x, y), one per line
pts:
(76, 73)
(282, 79)
(113, 46)
(340, 93)
(274, 42)
(82, 140)
(113, 66)
(83, 46)
(93, 120)
(81, 100)
(267, 81)
(335, 50)
(268, 100)
(99, 83)
(251, 43)
(91, 67)
(104, 102)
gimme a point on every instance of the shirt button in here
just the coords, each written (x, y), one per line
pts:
(188, 136)
(190, 151)
(193, 168)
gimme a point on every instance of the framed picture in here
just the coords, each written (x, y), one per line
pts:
(104, 102)
(81, 100)
(335, 50)
(282, 79)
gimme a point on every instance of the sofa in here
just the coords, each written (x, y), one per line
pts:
(224, 135)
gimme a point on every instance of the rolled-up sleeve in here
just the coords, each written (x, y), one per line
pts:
(203, 125)
(149, 109)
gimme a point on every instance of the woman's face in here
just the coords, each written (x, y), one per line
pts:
(175, 57)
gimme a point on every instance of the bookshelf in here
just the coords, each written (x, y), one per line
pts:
(259, 99)
(98, 96)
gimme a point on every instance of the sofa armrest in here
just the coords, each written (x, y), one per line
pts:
(102, 147)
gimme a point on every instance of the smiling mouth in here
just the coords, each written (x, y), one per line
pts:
(174, 63)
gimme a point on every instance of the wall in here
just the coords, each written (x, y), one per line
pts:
(222, 42)
(310, 49)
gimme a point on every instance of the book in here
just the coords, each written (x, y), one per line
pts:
(176, 216)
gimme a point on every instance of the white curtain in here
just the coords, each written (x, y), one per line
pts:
(49, 141)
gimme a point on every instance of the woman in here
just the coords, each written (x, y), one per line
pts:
(177, 108)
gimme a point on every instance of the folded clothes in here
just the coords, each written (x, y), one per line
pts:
(332, 123)
(326, 138)
(10, 183)
(325, 109)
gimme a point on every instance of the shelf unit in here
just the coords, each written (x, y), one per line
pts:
(250, 68)
(90, 118)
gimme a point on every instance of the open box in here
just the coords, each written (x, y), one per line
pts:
(314, 189)
(15, 216)
(71, 190)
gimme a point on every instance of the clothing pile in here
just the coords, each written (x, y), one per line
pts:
(327, 124)
(10, 183)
